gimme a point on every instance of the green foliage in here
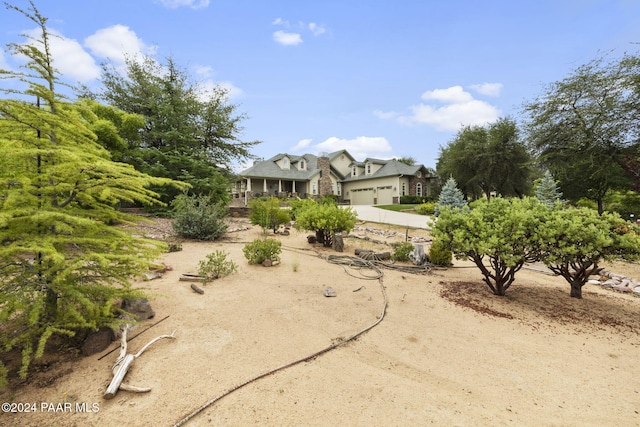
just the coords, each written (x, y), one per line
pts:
(487, 159)
(198, 217)
(189, 131)
(298, 205)
(216, 266)
(428, 208)
(267, 213)
(547, 190)
(439, 254)
(413, 200)
(262, 249)
(584, 128)
(62, 266)
(325, 220)
(572, 242)
(503, 231)
(402, 251)
(625, 203)
(450, 197)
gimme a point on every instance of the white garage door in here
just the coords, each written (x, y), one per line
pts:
(385, 195)
(362, 196)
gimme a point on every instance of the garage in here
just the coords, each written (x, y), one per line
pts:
(385, 195)
(361, 196)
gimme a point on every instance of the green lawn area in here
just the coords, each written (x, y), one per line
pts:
(410, 208)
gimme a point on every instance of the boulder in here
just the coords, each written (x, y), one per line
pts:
(97, 341)
(139, 308)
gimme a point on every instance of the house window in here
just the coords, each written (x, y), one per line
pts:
(368, 168)
(419, 189)
(404, 189)
(314, 188)
(285, 163)
(302, 164)
(354, 171)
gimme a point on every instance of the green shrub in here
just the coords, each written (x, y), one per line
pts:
(197, 217)
(267, 213)
(414, 200)
(426, 208)
(402, 251)
(217, 265)
(261, 249)
(439, 254)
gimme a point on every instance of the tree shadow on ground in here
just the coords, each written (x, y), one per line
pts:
(534, 304)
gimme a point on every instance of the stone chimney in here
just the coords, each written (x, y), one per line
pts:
(324, 184)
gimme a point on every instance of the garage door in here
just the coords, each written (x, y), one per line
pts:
(385, 195)
(362, 196)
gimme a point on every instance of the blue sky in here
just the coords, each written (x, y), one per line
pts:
(379, 78)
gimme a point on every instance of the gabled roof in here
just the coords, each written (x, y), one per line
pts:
(270, 169)
(391, 168)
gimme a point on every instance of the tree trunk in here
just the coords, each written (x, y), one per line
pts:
(338, 242)
(576, 290)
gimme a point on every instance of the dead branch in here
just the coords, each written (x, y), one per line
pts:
(123, 363)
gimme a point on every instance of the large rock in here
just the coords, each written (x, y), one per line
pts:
(139, 308)
(97, 341)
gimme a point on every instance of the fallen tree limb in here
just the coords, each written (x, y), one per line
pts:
(123, 363)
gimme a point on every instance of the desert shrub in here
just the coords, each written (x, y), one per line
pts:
(197, 217)
(402, 251)
(267, 213)
(261, 249)
(325, 220)
(216, 265)
(426, 208)
(439, 254)
(299, 205)
(174, 246)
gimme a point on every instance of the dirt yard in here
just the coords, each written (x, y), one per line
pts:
(446, 353)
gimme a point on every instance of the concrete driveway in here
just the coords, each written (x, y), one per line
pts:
(374, 214)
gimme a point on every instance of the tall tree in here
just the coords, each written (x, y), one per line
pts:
(191, 134)
(487, 159)
(61, 265)
(547, 190)
(581, 128)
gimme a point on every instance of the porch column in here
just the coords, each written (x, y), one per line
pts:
(248, 184)
(294, 187)
(264, 185)
(279, 186)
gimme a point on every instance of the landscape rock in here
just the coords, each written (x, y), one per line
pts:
(140, 308)
(97, 341)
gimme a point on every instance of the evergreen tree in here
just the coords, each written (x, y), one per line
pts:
(450, 196)
(547, 190)
(62, 266)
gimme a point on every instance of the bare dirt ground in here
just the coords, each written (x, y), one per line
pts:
(447, 352)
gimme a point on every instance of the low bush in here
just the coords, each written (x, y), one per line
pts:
(217, 265)
(426, 208)
(197, 217)
(402, 251)
(439, 254)
(261, 249)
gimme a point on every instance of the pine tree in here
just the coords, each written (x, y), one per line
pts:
(62, 265)
(547, 190)
(450, 196)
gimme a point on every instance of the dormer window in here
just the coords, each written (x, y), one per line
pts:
(354, 171)
(285, 163)
(368, 168)
(302, 165)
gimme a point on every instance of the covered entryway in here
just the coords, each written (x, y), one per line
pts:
(362, 196)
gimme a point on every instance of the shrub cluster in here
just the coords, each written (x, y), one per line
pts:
(262, 249)
(426, 208)
(216, 265)
(199, 218)
(402, 251)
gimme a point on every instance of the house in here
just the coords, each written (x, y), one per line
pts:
(370, 182)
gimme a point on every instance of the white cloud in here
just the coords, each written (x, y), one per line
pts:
(116, 43)
(193, 4)
(453, 94)
(280, 21)
(316, 29)
(385, 114)
(489, 89)
(209, 85)
(287, 39)
(460, 109)
(360, 147)
(301, 145)
(232, 90)
(70, 59)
